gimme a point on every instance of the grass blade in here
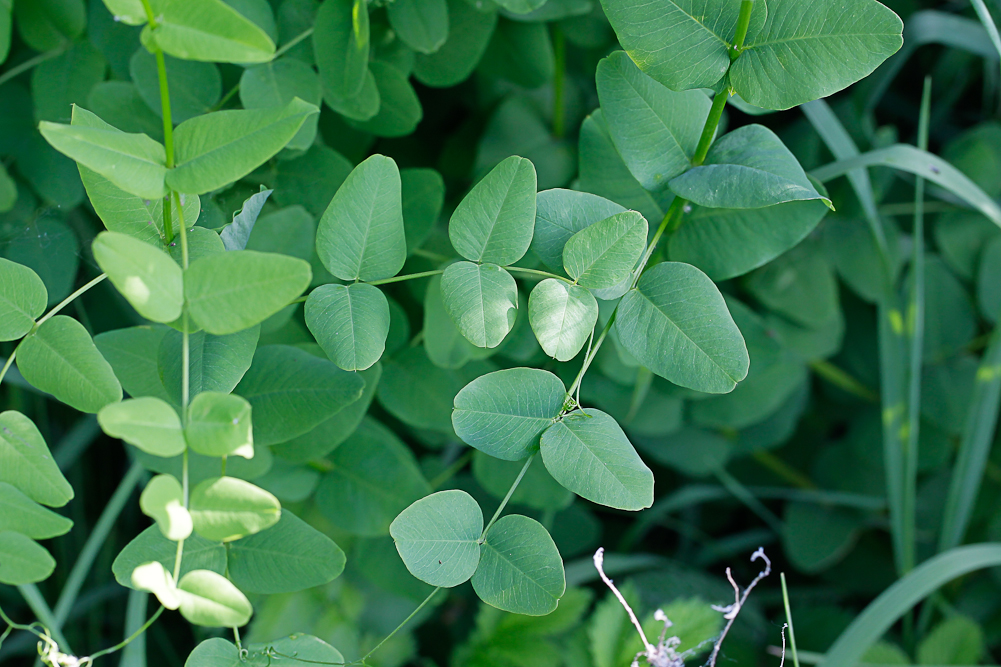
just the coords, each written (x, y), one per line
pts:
(985, 17)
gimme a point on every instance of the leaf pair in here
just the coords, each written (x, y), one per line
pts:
(510, 414)
(794, 52)
(203, 597)
(515, 567)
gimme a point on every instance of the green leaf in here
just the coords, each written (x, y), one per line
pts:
(423, 197)
(133, 162)
(232, 291)
(399, 109)
(562, 213)
(494, 222)
(603, 255)
(155, 578)
(445, 345)
(437, 538)
(290, 556)
(537, 489)
(147, 277)
(957, 640)
(8, 190)
(676, 324)
(482, 300)
(421, 24)
(151, 545)
(22, 299)
(725, 243)
(815, 537)
(216, 363)
(148, 423)
(588, 453)
(132, 354)
(469, 31)
(218, 652)
(520, 568)
(503, 413)
(562, 317)
(129, 12)
(655, 130)
(224, 146)
(194, 87)
(747, 168)
(209, 30)
(341, 46)
(277, 83)
(26, 463)
(350, 322)
(224, 509)
(361, 234)
(682, 44)
(520, 52)
(420, 394)
(375, 475)
(219, 425)
(22, 560)
(60, 358)
(65, 80)
(845, 41)
(21, 514)
(329, 435)
(360, 107)
(211, 600)
(292, 392)
(163, 501)
(236, 234)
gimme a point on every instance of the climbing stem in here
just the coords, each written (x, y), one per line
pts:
(510, 492)
(125, 642)
(743, 21)
(398, 627)
(709, 130)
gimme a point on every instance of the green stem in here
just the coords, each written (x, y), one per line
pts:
(792, 633)
(410, 276)
(743, 22)
(843, 380)
(227, 97)
(670, 222)
(451, 470)
(744, 495)
(559, 78)
(400, 626)
(34, 598)
(594, 352)
(510, 492)
(292, 42)
(30, 63)
(709, 130)
(783, 469)
(168, 124)
(95, 541)
(535, 272)
(122, 644)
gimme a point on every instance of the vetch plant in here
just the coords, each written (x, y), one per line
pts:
(549, 326)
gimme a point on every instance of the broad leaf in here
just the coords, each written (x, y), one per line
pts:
(22, 299)
(132, 354)
(26, 463)
(469, 31)
(23, 560)
(603, 255)
(209, 30)
(747, 168)
(218, 652)
(163, 501)
(148, 423)
(676, 323)
(291, 392)
(154, 578)
(562, 213)
(482, 300)
(236, 234)
(130, 12)
(151, 545)
(782, 63)
(437, 537)
(421, 24)
(399, 109)
(588, 453)
(147, 277)
(232, 291)
(445, 345)
(520, 568)
(290, 556)
(726, 243)
(223, 146)
(655, 129)
(503, 413)
(215, 363)
(341, 46)
(423, 197)
(195, 87)
(562, 317)
(60, 358)
(361, 234)
(219, 425)
(133, 162)
(494, 221)
(21, 514)
(224, 509)
(277, 83)
(211, 600)
(682, 44)
(374, 477)
(350, 322)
